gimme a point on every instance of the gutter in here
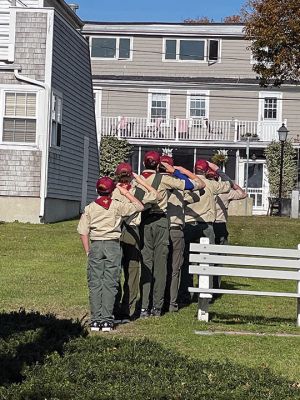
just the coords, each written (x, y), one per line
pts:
(45, 147)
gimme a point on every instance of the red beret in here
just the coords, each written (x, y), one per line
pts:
(167, 160)
(201, 165)
(105, 185)
(123, 168)
(152, 155)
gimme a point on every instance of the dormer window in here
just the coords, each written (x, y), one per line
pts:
(112, 48)
(196, 50)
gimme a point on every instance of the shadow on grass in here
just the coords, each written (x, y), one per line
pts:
(236, 319)
(26, 338)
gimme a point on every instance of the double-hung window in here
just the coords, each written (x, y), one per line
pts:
(19, 121)
(197, 105)
(56, 127)
(159, 105)
(199, 50)
(113, 48)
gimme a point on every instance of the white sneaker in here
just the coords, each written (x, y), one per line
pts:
(107, 326)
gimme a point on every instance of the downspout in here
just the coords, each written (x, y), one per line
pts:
(45, 148)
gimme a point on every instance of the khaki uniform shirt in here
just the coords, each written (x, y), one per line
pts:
(222, 203)
(200, 205)
(167, 182)
(102, 224)
(175, 209)
(149, 198)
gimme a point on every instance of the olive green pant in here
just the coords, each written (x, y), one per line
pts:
(155, 234)
(131, 264)
(104, 267)
(175, 261)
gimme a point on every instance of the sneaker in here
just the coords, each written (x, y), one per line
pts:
(156, 312)
(95, 326)
(144, 313)
(107, 326)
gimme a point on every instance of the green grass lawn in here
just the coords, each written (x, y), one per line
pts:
(43, 268)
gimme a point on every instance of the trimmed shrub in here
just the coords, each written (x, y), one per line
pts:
(107, 368)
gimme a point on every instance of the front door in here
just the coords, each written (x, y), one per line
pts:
(257, 183)
(269, 115)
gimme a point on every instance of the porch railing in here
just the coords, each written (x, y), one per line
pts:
(177, 130)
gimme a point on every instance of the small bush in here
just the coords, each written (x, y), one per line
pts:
(108, 368)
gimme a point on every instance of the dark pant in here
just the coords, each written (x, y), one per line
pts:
(221, 233)
(131, 264)
(175, 261)
(192, 234)
(155, 234)
(104, 266)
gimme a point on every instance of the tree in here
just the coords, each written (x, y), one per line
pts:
(233, 19)
(198, 20)
(112, 152)
(273, 154)
(273, 27)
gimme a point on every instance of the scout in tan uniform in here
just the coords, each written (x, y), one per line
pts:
(130, 240)
(99, 229)
(175, 213)
(155, 233)
(222, 203)
(200, 214)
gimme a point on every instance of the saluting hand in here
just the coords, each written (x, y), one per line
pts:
(138, 178)
(212, 166)
(168, 167)
(122, 189)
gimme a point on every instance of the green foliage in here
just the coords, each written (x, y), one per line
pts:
(118, 369)
(112, 152)
(273, 155)
(220, 158)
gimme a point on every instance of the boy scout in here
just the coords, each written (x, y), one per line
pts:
(175, 214)
(99, 229)
(130, 240)
(200, 214)
(155, 233)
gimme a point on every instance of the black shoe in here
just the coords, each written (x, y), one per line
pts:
(144, 313)
(107, 326)
(125, 319)
(95, 326)
(155, 312)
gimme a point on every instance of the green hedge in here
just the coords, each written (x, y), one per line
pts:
(101, 367)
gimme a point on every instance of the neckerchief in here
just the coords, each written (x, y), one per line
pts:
(104, 201)
(146, 174)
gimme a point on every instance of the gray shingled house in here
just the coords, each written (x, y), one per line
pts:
(48, 144)
(189, 90)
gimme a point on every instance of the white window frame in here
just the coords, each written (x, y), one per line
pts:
(162, 91)
(190, 94)
(117, 58)
(206, 50)
(37, 118)
(261, 106)
(55, 93)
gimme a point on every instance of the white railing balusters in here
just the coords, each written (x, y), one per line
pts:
(179, 129)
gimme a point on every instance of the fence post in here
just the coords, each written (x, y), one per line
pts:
(236, 130)
(295, 204)
(205, 282)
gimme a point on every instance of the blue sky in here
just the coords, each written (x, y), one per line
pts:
(156, 10)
